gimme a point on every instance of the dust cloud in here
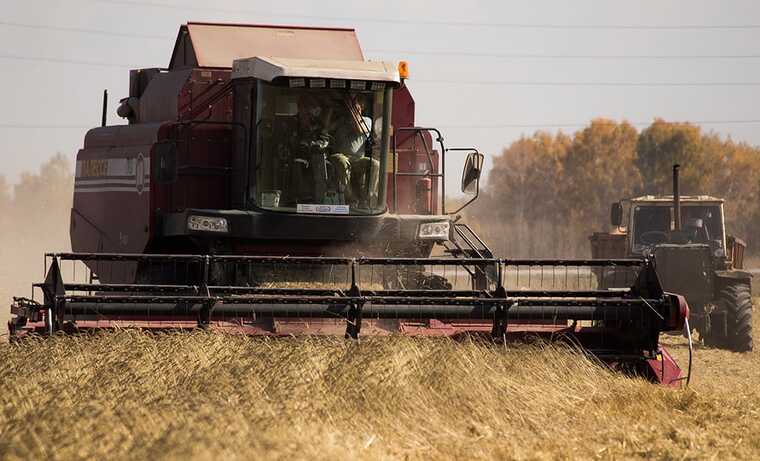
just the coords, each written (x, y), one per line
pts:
(34, 219)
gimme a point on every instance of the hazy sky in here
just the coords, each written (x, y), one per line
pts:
(484, 72)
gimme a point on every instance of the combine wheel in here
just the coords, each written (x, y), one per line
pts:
(735, 300)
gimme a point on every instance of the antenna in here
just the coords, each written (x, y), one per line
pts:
(676, 198)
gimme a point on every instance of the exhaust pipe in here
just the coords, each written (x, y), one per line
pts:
(105, 108)
(676, 198)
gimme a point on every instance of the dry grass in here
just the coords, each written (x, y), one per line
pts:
(130, 394)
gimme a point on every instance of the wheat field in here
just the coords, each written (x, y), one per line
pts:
(131, 394)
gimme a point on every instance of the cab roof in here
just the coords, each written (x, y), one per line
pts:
(668, 199)
(213, 45)
(268, 68)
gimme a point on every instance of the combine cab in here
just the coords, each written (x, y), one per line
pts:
(272, 181)
(686, 237)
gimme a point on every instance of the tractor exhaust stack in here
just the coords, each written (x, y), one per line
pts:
(676, 198)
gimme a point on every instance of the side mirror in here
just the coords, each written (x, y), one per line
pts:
(616, 214)
(473, 166)
(164, 162)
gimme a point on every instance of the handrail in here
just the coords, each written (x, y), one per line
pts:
(473, 234)
(441, 177)
(362, 261)
(428, 174)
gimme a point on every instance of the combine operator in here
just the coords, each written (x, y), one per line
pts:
(342, 134)
(355, 172)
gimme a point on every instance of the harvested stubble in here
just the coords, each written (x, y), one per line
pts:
(129, 394)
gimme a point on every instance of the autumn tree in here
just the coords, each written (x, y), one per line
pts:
(547, 193)
(521, 195)
(664, 144)
(599, 168)
(734, 169)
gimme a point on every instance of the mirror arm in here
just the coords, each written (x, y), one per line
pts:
(474, 197)
(477, 180)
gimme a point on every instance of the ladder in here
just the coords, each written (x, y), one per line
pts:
(466, 244)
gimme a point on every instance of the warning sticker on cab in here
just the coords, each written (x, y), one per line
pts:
(322, 209)
(93, 168)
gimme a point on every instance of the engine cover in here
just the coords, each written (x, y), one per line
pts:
(686, 270)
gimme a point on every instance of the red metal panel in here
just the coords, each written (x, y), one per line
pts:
(203, 160)
(411, 157)
(121, 136)
(206, 96)
(112, 190)
(403, 108)
(665, 370)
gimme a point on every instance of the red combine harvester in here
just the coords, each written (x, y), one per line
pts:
(272, 181)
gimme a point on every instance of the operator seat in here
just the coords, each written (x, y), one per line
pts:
(697, 231)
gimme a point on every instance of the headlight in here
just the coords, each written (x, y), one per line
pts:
(434, 230)
(207, 224)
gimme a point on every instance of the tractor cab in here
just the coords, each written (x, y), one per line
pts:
(651, 222)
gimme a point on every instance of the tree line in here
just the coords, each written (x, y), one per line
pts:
(547, 193)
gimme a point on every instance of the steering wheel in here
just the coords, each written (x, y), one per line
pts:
(654, 237)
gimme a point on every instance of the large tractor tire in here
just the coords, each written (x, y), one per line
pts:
(735, 299)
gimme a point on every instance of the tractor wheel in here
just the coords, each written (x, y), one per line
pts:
(736, 301)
